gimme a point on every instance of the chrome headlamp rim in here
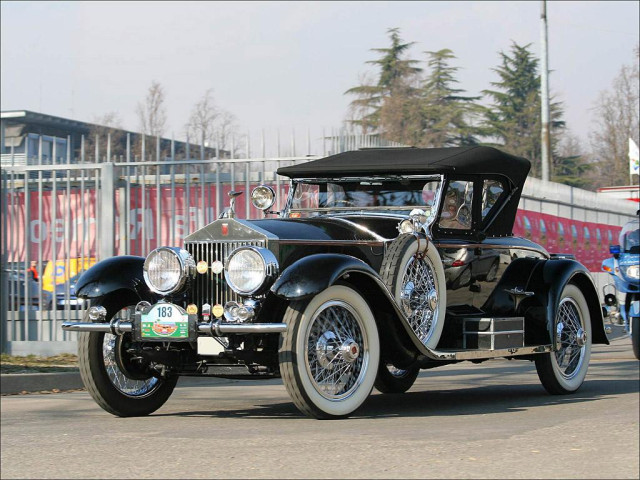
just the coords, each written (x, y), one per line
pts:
(187, 270)
(270, 272)
(270, 191)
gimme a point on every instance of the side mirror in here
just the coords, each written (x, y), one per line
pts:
(614, 250)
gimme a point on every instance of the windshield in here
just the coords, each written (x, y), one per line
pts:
(630, 237)
(331, 196)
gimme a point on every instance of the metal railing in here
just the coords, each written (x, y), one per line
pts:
(71, 212)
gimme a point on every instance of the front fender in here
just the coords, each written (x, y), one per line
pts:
(315, 273)
(112, 274)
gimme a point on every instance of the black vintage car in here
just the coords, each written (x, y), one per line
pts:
(382, 263)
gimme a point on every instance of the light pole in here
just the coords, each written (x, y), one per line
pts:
(544, 95)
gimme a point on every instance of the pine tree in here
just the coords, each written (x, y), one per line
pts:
(515, 118)
(385, 107)
(446, 114)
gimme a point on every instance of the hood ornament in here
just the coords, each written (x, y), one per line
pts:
(231, 211)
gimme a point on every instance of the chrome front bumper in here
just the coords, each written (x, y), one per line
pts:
(213, 329)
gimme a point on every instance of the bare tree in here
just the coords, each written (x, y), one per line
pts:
(152, 117)
(617, 121)
(211, 126)
(200, 128)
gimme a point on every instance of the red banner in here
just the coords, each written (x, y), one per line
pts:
(588, 241)
(74, 232)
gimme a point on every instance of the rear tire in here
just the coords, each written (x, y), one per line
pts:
(126, 393)
(635, 336)
(394, 380)
(564, 370)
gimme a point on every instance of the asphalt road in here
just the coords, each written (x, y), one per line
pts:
(491, 420)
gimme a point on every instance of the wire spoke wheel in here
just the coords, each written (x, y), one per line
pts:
(133, 387)
(333, 350)
(412, 271)
(419, 296)
(330, 352)
(113, 374)
(564, 370)
(571, 347)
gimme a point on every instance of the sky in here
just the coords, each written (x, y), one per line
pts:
(286, 65)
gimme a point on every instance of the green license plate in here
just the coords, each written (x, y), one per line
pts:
(165, 321)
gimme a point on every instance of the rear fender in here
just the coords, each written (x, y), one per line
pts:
(546, 279)
(113, 274)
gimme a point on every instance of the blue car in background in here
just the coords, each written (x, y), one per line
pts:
(18, 297)
(62, 300)
(624, 266)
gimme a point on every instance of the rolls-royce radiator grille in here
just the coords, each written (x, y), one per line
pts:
(209, 287)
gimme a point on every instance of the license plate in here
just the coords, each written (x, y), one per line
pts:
(164, 321)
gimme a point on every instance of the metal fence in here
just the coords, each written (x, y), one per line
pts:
(75, 209)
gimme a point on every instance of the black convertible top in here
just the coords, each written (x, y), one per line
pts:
(411, 160)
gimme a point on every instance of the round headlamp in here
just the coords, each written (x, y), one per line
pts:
(167, 270)
(633, 271)
(251, 270)
(406, 226)
(263, 197)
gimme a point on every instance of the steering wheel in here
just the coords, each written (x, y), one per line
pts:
(463, 215)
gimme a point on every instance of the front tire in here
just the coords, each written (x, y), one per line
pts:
(564, 370)
(330, 352)
(119, 386)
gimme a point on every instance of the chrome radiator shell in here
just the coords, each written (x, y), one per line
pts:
(209, 287)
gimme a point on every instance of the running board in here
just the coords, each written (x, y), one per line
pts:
(457, 355)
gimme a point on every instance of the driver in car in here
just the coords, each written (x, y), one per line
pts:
(449, 217)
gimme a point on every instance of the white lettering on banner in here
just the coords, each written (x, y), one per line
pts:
(59, 229)
(183, 228)
(136, 216)
(40, 231)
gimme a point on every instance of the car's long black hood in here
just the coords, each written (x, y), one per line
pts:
(330, 229)
(358, 229)
(290, 239)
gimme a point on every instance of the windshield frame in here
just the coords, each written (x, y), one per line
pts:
(360, 210)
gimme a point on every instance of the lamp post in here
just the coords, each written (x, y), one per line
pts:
(544, 95)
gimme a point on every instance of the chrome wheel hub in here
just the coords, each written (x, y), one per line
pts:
(571, 338)
(337, 351)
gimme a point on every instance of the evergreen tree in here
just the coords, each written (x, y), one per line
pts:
(385, 106)
(571, 165)
(515, 118)
(446, 114)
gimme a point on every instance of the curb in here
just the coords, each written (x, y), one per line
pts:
(37, 382)
(14, 383)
